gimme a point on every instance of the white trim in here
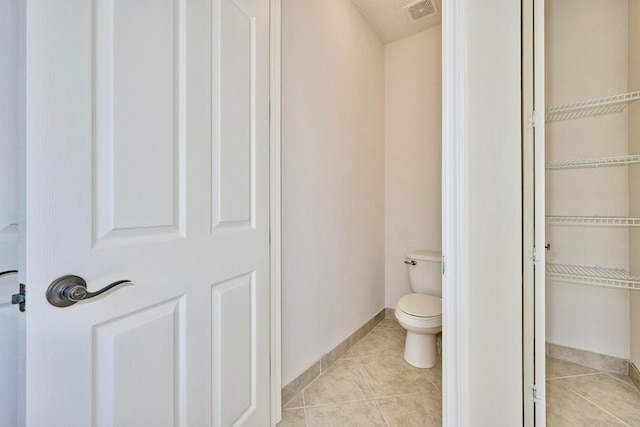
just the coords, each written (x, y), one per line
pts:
(275, 213)
(529, 221)
(540, 238)
(455, 380)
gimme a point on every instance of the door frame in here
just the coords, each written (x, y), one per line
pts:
(455, 381)
(534, 254)
(454, 284)
(540, 337)
(275, 207)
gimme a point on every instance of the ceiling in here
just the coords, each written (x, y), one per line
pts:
(390, 20)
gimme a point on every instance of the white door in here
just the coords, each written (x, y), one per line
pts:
(11, 320)
(148, 160)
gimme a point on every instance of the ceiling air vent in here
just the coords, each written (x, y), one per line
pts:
(421, 9)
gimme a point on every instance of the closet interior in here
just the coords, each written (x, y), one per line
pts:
(592, 90)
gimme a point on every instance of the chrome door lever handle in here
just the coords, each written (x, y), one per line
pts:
(3, 273)
(68, 290)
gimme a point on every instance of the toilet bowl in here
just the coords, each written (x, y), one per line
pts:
(421, 316)
(420, 312)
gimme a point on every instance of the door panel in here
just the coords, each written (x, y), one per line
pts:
(146, 349)
(234, 353)
(148, 160)
(234, 135)
(137, 106)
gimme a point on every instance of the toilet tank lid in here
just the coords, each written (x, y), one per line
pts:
(425, 256)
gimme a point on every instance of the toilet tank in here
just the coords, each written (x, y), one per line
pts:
(425, 272)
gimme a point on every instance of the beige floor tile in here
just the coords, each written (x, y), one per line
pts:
(616, 397)
(419, 410)
(342, 382)
(296, 402)
(435, 374)
(292, 418)
(392, 376)
(354, 414)
(625, 379)
(380, 342)
(567, 409)
(389, 323)
(557, 368)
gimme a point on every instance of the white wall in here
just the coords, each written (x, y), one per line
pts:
(332, 178)
(586, 57)
(413, 151)
(493, 213)
(634, 172)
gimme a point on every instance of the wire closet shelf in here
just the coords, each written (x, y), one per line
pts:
(598, 162)
(616, 278)
(594, 221)
(591, 108)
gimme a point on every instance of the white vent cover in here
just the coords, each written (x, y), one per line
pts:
(421, 9)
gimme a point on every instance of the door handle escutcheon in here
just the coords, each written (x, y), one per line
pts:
(68, 290)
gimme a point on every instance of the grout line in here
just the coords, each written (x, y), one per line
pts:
(622, 381)
(309, 385)
(383, 356)
(381, 413)
(304, 399)
(575, 376)
(430, 380)
(433, 384)
(304, 408)
(368, 399)
(366, 381)
(319, 405)
(291, 400)
(368, 384)
(396, 396)
(596, 405)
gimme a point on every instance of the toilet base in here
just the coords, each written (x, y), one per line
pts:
(420, 350)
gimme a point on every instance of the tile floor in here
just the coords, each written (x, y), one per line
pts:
(581, 396)
(372, 385)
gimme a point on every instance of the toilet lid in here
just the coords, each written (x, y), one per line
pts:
(421, 305)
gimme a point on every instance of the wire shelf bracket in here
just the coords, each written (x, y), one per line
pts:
(598, 162)
(616, 278)
(591, 108)
(593, 221)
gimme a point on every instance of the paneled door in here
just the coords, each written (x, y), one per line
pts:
(148, 160)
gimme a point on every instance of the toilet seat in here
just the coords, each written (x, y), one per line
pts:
(421, 305)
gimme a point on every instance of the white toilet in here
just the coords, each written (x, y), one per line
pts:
(420, 312)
